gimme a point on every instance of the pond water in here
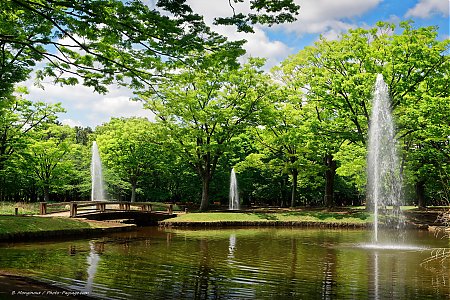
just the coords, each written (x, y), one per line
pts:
(261, 263)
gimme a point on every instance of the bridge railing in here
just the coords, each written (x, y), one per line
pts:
(75, 206)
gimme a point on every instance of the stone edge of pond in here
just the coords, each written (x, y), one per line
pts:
(264, 223)
(209, 224)
(41, 235)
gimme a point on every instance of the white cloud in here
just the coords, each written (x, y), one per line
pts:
(258, 43)
(428, 8)
(328, 16)
(86, 108)
(71, 123)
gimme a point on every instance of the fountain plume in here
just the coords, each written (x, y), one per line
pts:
(234, 193)
(383, 169)
(98, 186)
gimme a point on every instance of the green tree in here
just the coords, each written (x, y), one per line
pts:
(18, 119)
(287, 136)
(101, 41)
(338, 76)
(131, 149)
(204, 108)
(48, 156)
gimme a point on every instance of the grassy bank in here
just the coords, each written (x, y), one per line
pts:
(22, 224)
(357, 218)
(8, 208)
(21, 228)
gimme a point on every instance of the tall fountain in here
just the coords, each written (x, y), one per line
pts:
(234, 194)
(98, 186)
(383, 169)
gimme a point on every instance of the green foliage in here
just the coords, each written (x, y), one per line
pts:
(131, 149)
(289, 139)
(337, 77)
(49, 158)
(203, 109)
(19, 120)
(105, 41)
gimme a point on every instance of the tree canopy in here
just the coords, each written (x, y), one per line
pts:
(104, 41)
(295, 136)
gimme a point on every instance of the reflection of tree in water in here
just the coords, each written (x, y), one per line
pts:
(199, 283)
(329, 274)
(202, 276)
(287, 288)
(439, 260)
(438, 263)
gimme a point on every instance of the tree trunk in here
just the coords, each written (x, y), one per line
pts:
(294, 187)
(46, 194)
(133, 192)
(205, 193)
(420, 194)
(2, 180)
(330, 173)
(284, 200)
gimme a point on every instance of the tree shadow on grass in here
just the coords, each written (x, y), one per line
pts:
(329, 215)
(271, 217)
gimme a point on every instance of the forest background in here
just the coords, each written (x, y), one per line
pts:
(296, 135)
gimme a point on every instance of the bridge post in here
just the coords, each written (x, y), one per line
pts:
(73, 209)
(170, 209)
(100, 206)
(127, 206)
(42, 208)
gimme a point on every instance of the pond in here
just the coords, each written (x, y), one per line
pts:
(250, 263)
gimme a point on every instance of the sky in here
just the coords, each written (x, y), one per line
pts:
(328, 18)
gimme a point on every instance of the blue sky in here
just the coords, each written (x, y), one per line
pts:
(317, 17)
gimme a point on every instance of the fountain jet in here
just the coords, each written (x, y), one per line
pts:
(98, 186)
(383, 169)
(234, 194)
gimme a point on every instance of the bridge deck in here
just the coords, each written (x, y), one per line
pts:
(83, 208)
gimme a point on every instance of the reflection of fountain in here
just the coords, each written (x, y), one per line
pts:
(98, 187)
(234, 194)
(231, 246)
(376, 274)
(383, 172)
(92, 260)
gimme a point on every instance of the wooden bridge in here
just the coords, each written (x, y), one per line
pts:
(141, 212)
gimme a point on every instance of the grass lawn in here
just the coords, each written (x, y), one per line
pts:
(24, 224)
(7, 208)
(357, 217)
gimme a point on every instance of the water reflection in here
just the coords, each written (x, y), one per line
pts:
(237, 264)
(329, 273)
(92, 260)
(231, 247)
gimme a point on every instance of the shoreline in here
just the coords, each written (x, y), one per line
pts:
(98, 228)
(420, 220)
(304, 224)
(25, 286)
(21, 286)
